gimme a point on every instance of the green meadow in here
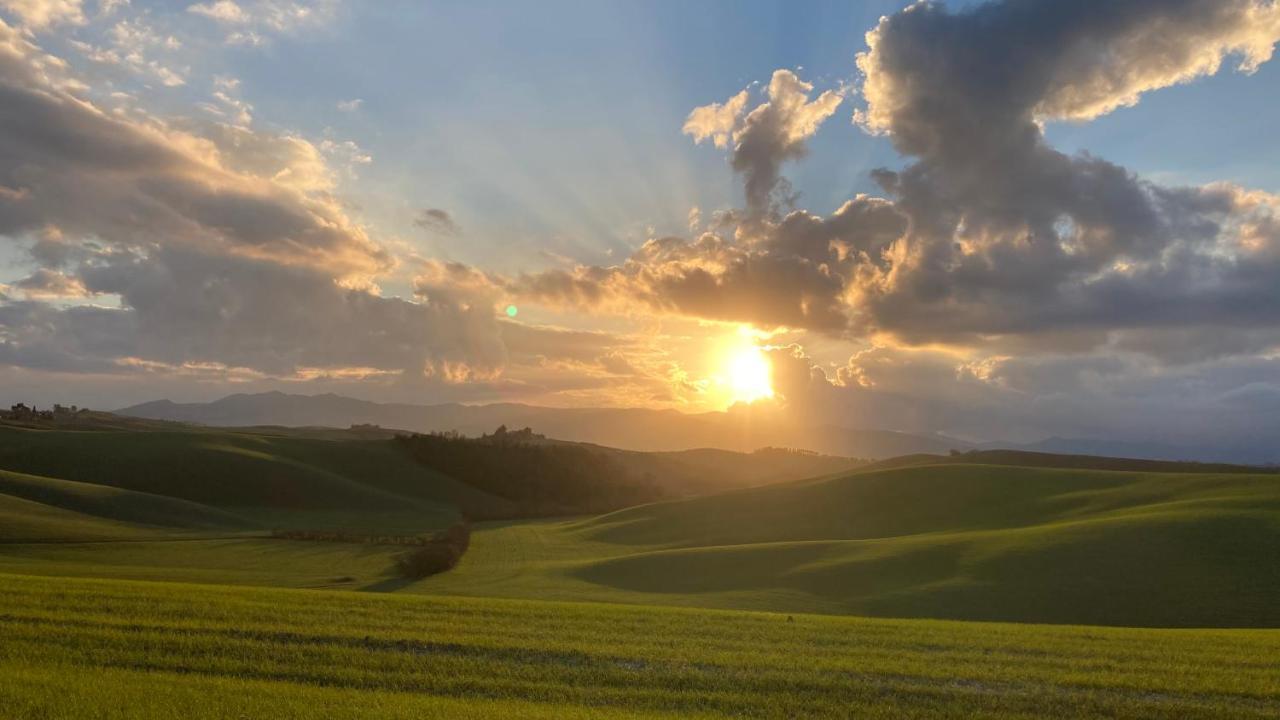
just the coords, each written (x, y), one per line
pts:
(139, 577)
(76, 648)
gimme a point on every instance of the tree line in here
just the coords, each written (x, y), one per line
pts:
(543, 477)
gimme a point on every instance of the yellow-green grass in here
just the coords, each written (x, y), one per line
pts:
(942, 541)
(959, 542)
(77, 648)
(962, 542)
(930, 499)
(223, 561)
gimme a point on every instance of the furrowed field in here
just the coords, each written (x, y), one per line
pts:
(80, 648)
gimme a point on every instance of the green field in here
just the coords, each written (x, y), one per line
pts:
(280, 479)
(959, 542)
(75, 648)
(668, 609)
(951, 540)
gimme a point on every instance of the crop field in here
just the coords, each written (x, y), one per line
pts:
(80, 648)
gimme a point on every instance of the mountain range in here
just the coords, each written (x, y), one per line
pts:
(645, 429)
(625, 428)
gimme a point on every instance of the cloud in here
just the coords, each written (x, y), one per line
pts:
(349, 106)
(1072, 61)
(1011, 237)
(223, 11)
(132, 42)
(47, 283)
(251, 22)
(763, 139)
(438, 221)
(1228, 404)
(800, 274)
(109, 7)
(717, 122)
(40, 14)
(989, 238)
(1065, 288)
(210, 243)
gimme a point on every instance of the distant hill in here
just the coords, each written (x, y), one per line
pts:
(1246, 454)
(1023, 458)
(626, 428)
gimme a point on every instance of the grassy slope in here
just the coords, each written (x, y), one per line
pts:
(135, 501)
(707, 470)
(925, 499)
(223, 561)
(950, 540)
(23, 520)
(273, 478)
(114, 503)
(109, 649)
(965, 542)
(151, 486)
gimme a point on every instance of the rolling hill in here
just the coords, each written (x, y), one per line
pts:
(990, 535)
(957, 541)
(130, 498)
(278, 479)
(23, 520)
(118, 504)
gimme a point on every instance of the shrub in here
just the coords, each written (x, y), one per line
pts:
(441, 553)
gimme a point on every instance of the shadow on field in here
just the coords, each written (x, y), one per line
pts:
(391, 584)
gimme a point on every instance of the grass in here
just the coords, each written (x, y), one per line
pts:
(197, 505)
(24, 520)
(233, 470)
(966, 542)
(76, 648)
(653, 611)
(223, 561)
(959, 542)
(74, 510)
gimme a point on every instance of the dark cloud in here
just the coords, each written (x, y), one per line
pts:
(1008, 235)
(437, 220)
(799, 274)
(50, 283)
(179, 306)
(1080, 299)
(990, 238)
(765, 138)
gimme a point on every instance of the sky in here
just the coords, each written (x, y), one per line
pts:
(994, 220)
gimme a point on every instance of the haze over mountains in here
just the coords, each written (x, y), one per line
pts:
(638, 428)
(625, 428)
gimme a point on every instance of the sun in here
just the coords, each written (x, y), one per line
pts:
(749, 375)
